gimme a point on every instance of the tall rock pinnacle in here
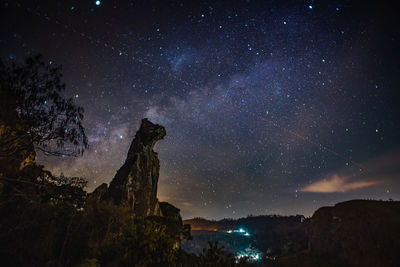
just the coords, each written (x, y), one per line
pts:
(135, 183)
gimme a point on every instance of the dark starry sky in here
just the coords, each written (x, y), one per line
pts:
(270, 106)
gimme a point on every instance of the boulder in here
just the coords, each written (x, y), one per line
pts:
(169, 210)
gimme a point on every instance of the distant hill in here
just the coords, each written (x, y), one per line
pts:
(268, 234)
(251, 221)
(352, 233)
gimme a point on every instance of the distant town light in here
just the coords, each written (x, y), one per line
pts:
(250, 254)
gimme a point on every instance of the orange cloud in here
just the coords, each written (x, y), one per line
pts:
(336, 184)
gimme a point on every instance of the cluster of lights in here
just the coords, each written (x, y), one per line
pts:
(249, 254)
(240, 231)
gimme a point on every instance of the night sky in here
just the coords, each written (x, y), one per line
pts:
(270, 107)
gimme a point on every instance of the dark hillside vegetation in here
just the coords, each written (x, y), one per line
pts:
(47, 224)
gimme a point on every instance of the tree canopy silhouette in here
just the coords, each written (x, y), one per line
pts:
(34, 90)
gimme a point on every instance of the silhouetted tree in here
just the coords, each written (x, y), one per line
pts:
(32, 94)
(215, 256)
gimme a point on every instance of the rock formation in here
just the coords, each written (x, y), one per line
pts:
(358, 232)
(171, 211)
(135, 183)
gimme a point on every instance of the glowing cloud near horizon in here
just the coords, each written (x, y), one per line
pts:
(337, 184)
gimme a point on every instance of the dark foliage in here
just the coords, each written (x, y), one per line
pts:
(34, 89)
(48, 221)
(37, 216)
(215, 256)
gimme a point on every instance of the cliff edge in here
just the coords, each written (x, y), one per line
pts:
(359, 232)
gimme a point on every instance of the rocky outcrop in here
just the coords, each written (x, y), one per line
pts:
(172, 219)
(358, 232)
(99, 193)
(135, 183)
(171, 211)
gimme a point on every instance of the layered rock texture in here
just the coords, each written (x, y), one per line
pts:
(358, 232)
(135, 183)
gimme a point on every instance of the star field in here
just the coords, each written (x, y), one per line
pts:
(270, 107)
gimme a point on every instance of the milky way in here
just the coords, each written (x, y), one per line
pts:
(270, 107)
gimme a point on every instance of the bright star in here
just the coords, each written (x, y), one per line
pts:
(97, 3)
(310, 7)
